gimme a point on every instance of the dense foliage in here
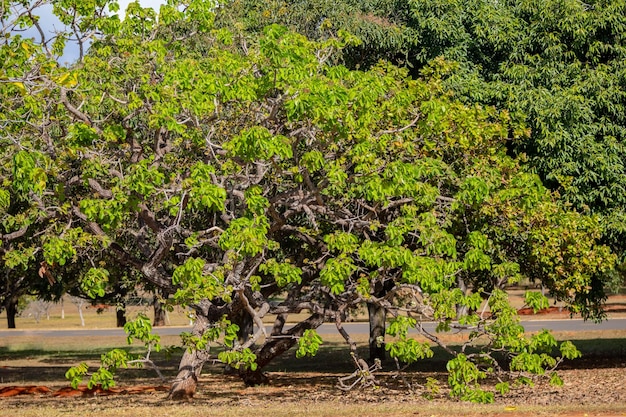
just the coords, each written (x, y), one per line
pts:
(253, 177)
(556, 65)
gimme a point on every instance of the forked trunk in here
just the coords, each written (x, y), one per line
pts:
(276, 346)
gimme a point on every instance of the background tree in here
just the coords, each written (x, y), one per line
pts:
(557, 65)
(232, 172)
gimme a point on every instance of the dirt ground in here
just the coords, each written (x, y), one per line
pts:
(594, 385)
(586, 392)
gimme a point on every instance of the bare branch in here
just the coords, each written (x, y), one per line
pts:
(75, 112)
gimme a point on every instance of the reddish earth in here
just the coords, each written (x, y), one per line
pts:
(81, 391)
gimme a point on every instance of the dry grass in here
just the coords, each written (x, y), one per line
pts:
(105, 407)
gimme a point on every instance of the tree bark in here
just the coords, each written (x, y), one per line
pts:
(377, 317)
(159, 311)
(461, 310)
(120, 314)
(246, 325)
(190, 367)
(276, 346)
(11, 308)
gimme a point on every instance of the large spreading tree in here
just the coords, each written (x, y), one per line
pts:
(556, 65)
(253, 177)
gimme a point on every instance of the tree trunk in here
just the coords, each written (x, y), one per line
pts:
(190, 367)
(276, 346)
(159, 311)
(377, 317)
(120, 314)
(246, 328)
(11, 308)
(246, 325)
(186, 382)
(461, 310)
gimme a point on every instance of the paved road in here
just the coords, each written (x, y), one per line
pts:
(567, 325)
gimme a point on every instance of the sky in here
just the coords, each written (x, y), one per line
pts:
(49, 23)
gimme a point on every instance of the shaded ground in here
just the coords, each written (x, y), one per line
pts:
(594, 385)
(585, 393)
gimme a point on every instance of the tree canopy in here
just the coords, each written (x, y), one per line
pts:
(556, 65)
(252, 175)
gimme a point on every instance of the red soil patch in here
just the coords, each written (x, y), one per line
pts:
(549, 310)
(28, 389)
(614, 306)
(81, 391)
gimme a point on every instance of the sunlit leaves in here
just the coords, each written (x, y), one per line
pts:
(18, 258)
(246, 236)
(243, 359)
(336, 272)
(5, 199)
(204, 194)
(342, 242)
(464, 377)
(94, 282)
(258, 143)
(409, 350)
(27, 175)
(536, 300)
(141, 329)
(144, 179)
(313, 160)
(60, 249)
(283, 273)
(108, 213)
(569, 351)
(308, 344)
(81, 135)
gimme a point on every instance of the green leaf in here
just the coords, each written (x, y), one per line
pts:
(336, 273)
(94, 282)
(283, 273)
(569, 351)
(536, 300)
(503, 387)
(308, 343)
(259, 143)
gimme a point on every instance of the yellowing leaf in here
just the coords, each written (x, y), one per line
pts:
(26, 47)
(68, 79)
(21, 87)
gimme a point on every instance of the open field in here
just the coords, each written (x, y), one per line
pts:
(66, 316)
